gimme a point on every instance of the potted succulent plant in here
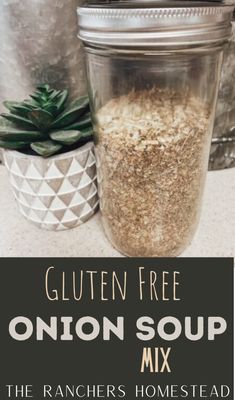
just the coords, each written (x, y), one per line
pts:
(48, 152)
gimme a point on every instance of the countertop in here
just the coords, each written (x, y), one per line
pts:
(215, 236)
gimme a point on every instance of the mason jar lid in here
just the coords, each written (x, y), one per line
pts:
(156, 23)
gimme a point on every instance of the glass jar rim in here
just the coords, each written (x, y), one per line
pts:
(156, 23)
(157, 3)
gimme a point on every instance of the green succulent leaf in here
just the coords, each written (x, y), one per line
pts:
(46, 148)
(62, 100)
(44, 88)
(72, 113)
(54, 95)
(4, 144)
(87, 133)
(18, 120)
(10, 105)
(21, 110)
(66, 137)
(12, 134)
(36, 97)
(83, 122)
(17, 108)
(42, 119)
(52, 109)
(30, 103)
(44, 122)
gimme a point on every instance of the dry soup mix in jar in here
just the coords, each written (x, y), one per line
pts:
(153, 70)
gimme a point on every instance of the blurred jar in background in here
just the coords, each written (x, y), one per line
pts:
(223, 142)
(38, 44)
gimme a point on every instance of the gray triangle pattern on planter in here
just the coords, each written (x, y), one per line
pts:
(55, 193)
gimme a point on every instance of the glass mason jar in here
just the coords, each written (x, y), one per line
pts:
(223, 142)
(153, 71)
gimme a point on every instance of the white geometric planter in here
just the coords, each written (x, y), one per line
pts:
(54, 193)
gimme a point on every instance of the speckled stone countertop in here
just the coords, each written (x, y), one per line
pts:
(215, 236)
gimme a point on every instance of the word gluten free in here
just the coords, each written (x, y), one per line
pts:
(104, 286)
